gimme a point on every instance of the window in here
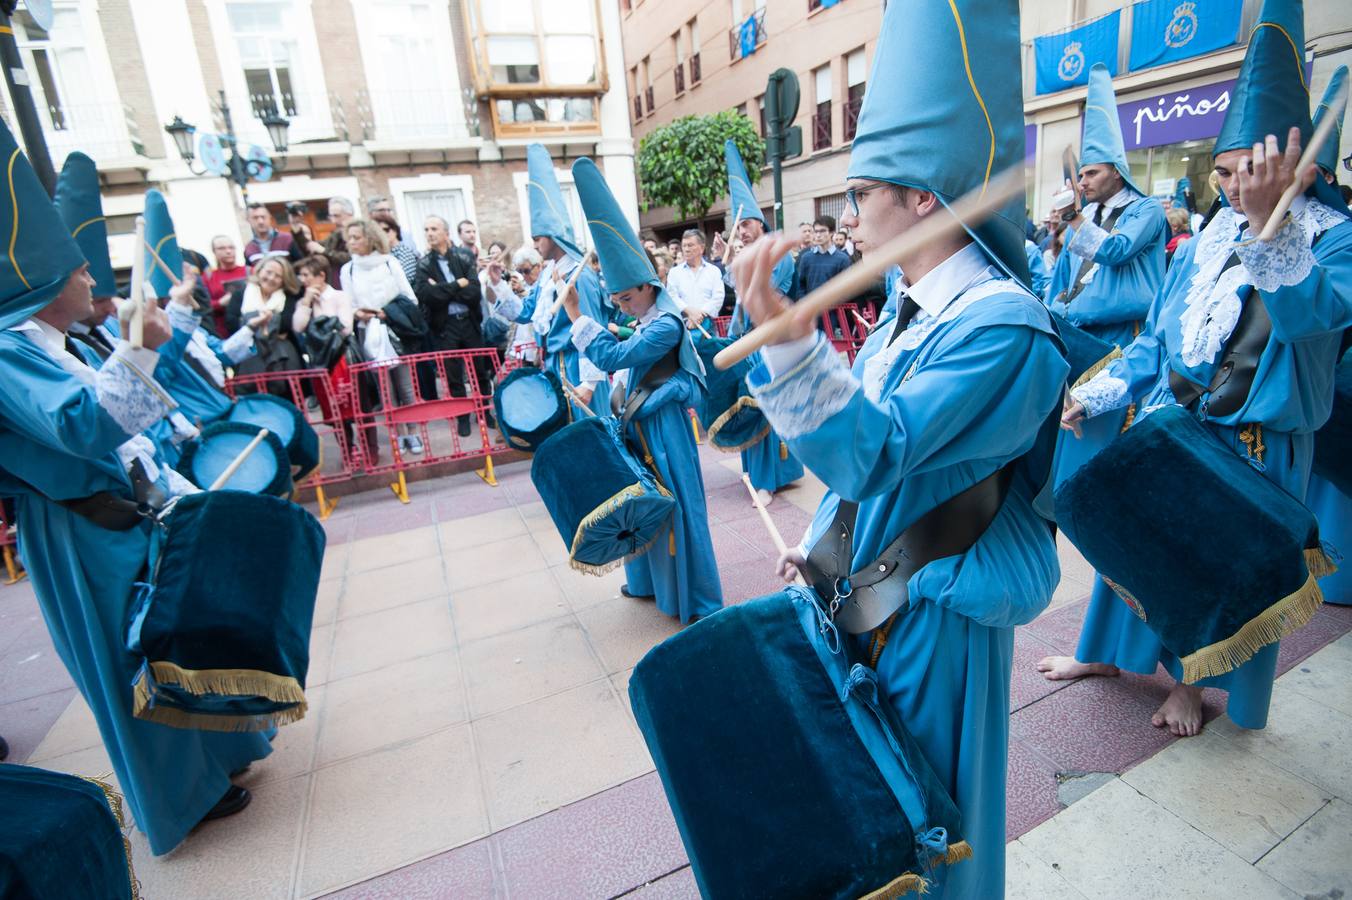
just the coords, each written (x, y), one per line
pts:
(832, 205)
(59, 60)
(528, 47)
(678, 70)
(416, 198)
(413, 93)
(646, 71)
(821, 116)
(634, 92)
(748, 32)
(264, 37)
(856, 73)
(693, 28)
(760, 106)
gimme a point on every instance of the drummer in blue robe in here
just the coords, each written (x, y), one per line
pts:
(679, 569)
(767, 462)
(1114, 260)
(947, 392)
(1290, 297)
(552, 233)
(68, 434)
(1331, 506)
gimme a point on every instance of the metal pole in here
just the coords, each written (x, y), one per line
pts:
(238, 173)
(25, 112)
(774, 146)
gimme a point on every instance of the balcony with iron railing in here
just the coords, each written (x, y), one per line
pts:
(638, 106)
(694, 69)
(102, 130)
(748, 35)
(402, 116)
(679, 75)
(851, 117)
(821, 127)
(648, 95)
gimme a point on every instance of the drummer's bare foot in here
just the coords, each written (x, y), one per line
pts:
(766, 498)
(1064, 668)
(1181, 712)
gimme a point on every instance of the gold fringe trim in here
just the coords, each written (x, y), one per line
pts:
(911, 883)
(717, 425)
(1280, 619)
(278, 688)
(783, 451)
(1319, 564)
(1097, 367)
(114, 801)
(614, 502)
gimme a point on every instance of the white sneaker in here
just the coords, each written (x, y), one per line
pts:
(403, 444)
(415, 444)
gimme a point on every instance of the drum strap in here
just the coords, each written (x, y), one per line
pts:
(657, 375)
(1077, 285)
(1230, 386)
(107, 510)
(862, 600)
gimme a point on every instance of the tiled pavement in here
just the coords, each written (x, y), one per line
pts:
(469, 733)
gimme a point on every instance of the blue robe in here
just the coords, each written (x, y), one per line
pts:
(200, 401)
(1333, 508)
(685, 582)
(946, 666)
(559, 353)
(162, 432)
(1127, 274)
(768, 462)
(56, 441)
(1291, 396)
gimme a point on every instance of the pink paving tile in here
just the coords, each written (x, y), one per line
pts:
(679, 885)
(24, 723)
(1060, 628)
(471, 502)
(1096, 724)
(747, 581)
(1328, 624)
(732, 548)
(598, 847)
(1026, 683)
(338, 529)
(400, 518)
(30, 667)
(19, 613)
(465, 873)
(1030, 789)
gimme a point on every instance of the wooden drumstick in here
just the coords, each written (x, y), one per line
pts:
(238, 461)
(568, 286)
(136, 323)
(1334, 115)
(164, 267)
(861, 320)
(707, 336)
(770, 525)
(974, 206)
(572, 395)
(732, 236)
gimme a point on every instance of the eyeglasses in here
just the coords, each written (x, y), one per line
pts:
(852, 196)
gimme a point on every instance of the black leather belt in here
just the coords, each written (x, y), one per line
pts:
(861, 600)
(107, 510)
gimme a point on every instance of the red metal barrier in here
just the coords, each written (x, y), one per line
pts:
(14, 572)
(722, 324)
(431, 419)
(845, 328)
(523, 355)
(331, 418)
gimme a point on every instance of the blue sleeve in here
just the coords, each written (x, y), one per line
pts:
(998, 382)
(528, 305)
(782, 276)
(646, 347)
(1138, 231)
(43, 401)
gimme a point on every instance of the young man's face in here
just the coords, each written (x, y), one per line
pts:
(883, 214)
(749, 231)
(469, 235)
(1099, 182)
(839, 240)
(821, 236)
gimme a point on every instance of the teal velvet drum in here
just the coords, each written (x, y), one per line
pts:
(606, 505)
(787, 771)
(1215, 558)
(267, 470)
(529, 406)
(731, 417)
(61, 838)
(223, 630)
(282, 418)
(1333, 441)
(1084, 352)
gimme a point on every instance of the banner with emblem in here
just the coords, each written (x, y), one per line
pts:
(1064, 58)
(1164, 31)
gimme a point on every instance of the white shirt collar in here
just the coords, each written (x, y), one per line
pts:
(650, 316)
(830, 248)
(942, 284)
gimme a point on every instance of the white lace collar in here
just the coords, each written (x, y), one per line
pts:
(1212, 303)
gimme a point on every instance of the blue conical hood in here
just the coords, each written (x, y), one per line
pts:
(624, 262)
(81, 208)
(1270, 95)
(942, 112)
(1328, 154)
(1102, 141)
(160, 235)
(39, 255)
(741, 199)
(548, 211)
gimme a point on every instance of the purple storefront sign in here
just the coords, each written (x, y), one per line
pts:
(1187, 115)
(1029, 141)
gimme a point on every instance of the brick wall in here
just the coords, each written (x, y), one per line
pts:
(206, 49)
(495, 197)
(340, 56)
(124, 52)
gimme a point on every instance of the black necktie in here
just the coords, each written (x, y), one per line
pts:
(1098, 215)
(72, 350)
(906, 311)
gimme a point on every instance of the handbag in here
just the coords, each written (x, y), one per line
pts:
(324, 341)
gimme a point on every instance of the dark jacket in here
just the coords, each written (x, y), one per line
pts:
(282, 244)
(335, 248)
(435, 293)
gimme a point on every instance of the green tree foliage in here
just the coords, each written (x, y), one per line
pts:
(681, 164)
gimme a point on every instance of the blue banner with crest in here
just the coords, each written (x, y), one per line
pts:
(1165, 31)
(1063, 59)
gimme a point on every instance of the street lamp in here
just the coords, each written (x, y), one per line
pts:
(239, 168)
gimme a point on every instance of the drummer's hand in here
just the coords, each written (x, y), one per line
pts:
(584, 394)
(1072, 417)
(693, 317)
(790, 565)
(155, 328)
(1272, 172)
(181, 293)
(752, 271)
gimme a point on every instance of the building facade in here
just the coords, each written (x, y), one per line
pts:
(681, 61)
(427, 102)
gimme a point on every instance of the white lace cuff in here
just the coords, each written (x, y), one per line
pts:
(182, 318)
(127, 390)
(1284, 261)
(1101, 394)
(589, 373)
(1087, 240)
(178, 485)
(804, 397)
(585, 330)
(183, 429)
(239, 345)
(783, 357)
